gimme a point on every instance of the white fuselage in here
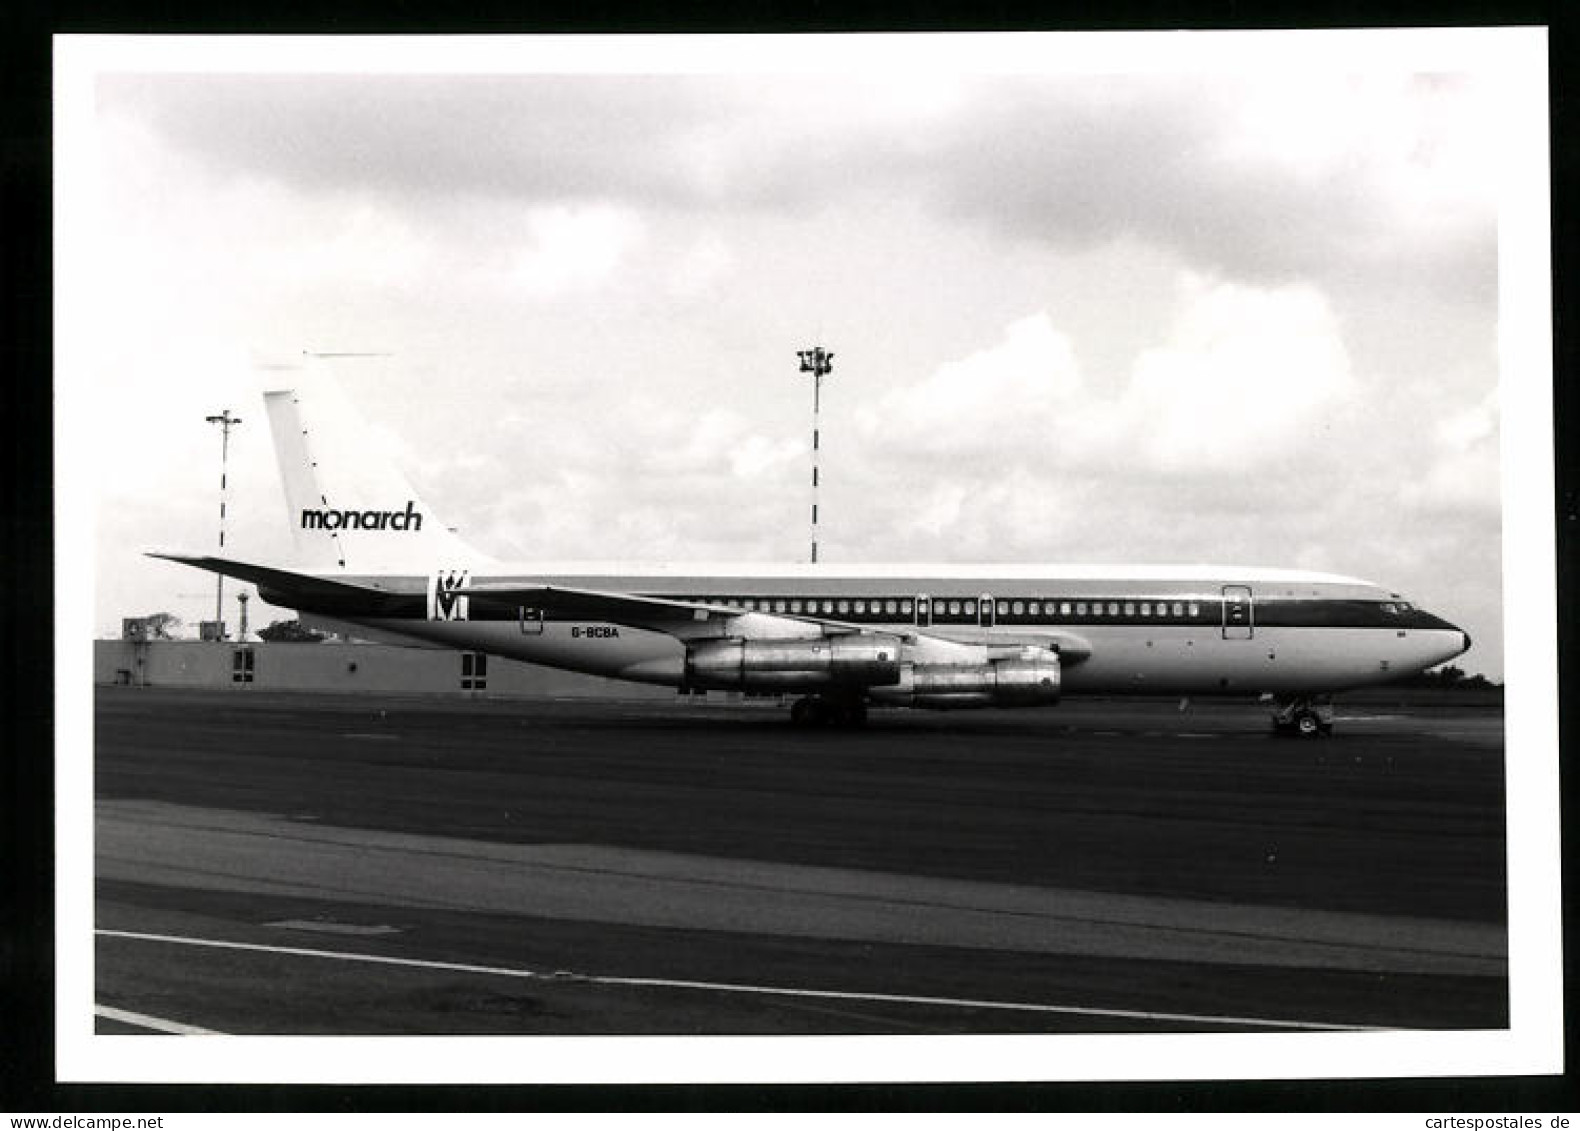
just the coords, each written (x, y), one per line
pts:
(1137, 630)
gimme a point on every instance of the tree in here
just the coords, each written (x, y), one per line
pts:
(1449, 676)
(159, 625)
(289, 632)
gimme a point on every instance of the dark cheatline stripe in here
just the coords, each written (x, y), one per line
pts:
(1269, 613)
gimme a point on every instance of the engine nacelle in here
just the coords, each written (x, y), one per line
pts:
(794, 665)
(1017, 682)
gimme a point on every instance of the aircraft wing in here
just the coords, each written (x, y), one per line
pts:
(661, 613)
(681, 619)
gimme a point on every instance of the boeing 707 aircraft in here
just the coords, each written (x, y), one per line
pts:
(376, 563)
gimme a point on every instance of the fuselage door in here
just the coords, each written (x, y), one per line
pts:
(985, 611)
(531, 621)
(1239, 615)
(924, 611)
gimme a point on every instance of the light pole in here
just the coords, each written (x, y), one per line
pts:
(224, 419)
(818, 362)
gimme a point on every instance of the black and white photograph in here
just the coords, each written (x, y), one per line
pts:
(827, 558)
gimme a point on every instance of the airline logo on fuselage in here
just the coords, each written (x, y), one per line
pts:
(408, 519)
(444, 603)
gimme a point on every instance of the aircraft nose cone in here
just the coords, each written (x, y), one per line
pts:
(1464, 641)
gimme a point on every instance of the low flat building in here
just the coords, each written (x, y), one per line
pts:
(342, 667)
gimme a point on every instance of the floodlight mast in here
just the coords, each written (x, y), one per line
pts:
(818, 362)
(225, 420)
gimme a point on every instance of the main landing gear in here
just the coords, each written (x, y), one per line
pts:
(816, 710)
(1306, 716)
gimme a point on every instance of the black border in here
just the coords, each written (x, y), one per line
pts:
(27, 920)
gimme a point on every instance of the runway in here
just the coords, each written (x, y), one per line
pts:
(304, 864)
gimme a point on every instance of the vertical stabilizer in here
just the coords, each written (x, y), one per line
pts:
(349, 506)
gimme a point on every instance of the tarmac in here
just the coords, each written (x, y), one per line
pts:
(277, 863)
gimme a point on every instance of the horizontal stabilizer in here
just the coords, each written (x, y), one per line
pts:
(303, 585)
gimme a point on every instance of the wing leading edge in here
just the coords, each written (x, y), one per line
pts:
(662, 614)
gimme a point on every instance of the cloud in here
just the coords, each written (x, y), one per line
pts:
(573, 248)
(360, 244)
(1269, 177)
(1247, 377)
(1464, 474)
(700, 267)
(1006, 398)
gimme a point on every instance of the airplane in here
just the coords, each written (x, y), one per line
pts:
(375, 562)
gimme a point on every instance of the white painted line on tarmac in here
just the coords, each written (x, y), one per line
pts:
(148, 1021)
(736, 988)
(970, 1003)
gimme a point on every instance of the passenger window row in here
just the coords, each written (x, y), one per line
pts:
(1021, 610)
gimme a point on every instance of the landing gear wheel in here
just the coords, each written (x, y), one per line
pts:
(1306, 716)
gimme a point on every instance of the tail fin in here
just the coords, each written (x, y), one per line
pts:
(350, 508)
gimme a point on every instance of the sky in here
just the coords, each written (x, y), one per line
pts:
(1237, 305)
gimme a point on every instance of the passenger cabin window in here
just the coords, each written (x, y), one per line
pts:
(905, 608)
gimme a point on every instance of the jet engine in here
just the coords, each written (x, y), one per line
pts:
(879, 666)
(863, 660)
(1012, 682)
